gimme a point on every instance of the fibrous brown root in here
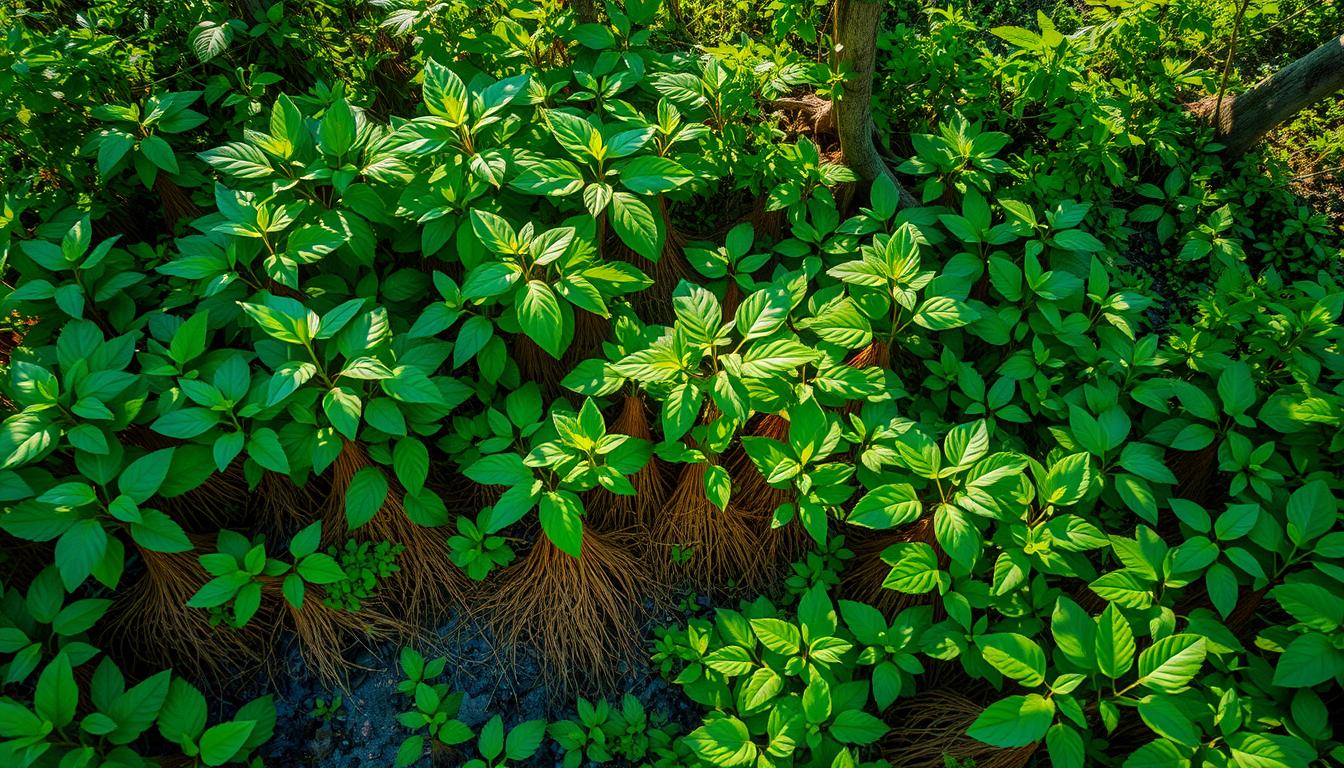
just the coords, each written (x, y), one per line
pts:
(282, 507)
(177, 205)
(732, 297)
(767, 224)
(326, 636)
(1241, 620)
(590, 331)
(536, 365)
(728, 545)
(219, 502)
(151, 620)
(427, 584)
(877, 353)
(654, 304)
(753, 494)
(862, 580)
(580, 614)
(932, 725)
(750, 490)
(611, 512)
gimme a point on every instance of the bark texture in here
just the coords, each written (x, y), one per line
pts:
(586, 10)
(857, 22)
(1243, 119)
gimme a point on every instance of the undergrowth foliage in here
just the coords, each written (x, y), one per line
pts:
(337, 323)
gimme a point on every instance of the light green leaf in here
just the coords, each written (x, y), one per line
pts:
(1016, 721)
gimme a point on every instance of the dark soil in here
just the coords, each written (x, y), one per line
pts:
(494, 680)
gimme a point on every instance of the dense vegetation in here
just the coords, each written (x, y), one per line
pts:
(332, 321)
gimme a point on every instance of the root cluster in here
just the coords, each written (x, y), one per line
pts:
(932, 725)
(728, 546)
(580, 614)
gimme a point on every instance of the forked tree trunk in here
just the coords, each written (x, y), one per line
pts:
(1243, 119)
(857, 22)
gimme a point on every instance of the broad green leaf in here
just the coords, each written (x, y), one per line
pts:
(1114, 643)
(724, 742)
(221, 743)
(1172, 662)
(1016, 721)
(635, 225)
(1310, 659)
(1016, 656)
(561, 515)
(364, 496)
(1068, 480)
(541, 318)
(941, 313)
(887, 506)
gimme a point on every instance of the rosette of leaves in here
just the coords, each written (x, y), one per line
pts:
(75, 279)
(807, 462)
(370, 384)
(466, 143)
(734, 365)
(573, 454)
(612, 171)
(433, 716)
(884, 287)
(541, 278)
(784, 684)
(135, 132)
(240, 568)
(603, 733)
(960, 157)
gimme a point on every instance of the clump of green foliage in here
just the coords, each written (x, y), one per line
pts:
(334, 321)
(364, 564)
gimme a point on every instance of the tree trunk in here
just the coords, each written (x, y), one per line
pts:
(857, 22)
(1243, 119)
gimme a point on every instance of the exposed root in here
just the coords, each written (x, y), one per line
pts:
(1242, 618)
(536, 365)
(932, 725)
(580, 614)
(726, 546)
(281, 507)
(150, 621)
(877, 353)
(750, 490)
(590, 331)
(177, 205)
(611, 512)
(767, 224)
(326, 636)
(220, 502)
(428, 584)
(732, 297)
(812, 114)
(654, 304)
